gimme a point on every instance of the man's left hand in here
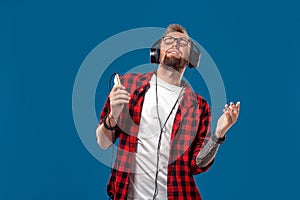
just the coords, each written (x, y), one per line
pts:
(227, 119)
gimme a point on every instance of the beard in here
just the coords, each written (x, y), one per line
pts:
(174, 62)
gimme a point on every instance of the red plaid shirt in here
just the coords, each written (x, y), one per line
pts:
(189, 134)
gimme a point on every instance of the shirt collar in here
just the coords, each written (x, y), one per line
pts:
(189, 94)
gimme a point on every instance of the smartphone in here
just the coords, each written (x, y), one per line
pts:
(117, 80)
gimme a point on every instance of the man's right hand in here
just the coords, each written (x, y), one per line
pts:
(118, 97)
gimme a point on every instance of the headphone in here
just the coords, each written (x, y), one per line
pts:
(195, 54)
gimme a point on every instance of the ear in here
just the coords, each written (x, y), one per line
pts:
(155, 52)
(195, 55)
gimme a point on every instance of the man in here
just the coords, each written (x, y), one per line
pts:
(163, 128)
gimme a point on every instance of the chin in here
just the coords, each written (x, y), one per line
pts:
(176, 63)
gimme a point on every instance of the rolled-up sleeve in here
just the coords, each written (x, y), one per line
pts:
(202, 137)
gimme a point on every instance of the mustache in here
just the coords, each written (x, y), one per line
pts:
(174, 49)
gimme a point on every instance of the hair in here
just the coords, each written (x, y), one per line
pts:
(176, 28)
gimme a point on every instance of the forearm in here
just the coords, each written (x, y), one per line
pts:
(207, 153)
(105, 136)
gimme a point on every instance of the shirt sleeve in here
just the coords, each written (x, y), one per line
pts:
(202, 137)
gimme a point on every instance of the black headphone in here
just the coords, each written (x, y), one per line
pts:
(194, 59)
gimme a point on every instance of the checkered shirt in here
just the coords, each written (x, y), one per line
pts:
(188, 136)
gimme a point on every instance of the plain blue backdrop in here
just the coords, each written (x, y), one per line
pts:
(255, 45)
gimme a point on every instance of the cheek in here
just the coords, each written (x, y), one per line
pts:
(162, 52)
(186, 55)
(162, 47)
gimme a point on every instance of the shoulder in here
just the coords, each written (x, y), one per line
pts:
(131, 79)
(130, 76)
(194, 97)
(203, 104)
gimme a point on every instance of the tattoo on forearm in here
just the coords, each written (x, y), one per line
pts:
(207, 153)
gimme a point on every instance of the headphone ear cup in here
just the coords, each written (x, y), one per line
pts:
(155, 52)
(154, 55)
(195, 55)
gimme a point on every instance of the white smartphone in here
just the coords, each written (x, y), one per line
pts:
(117, 80)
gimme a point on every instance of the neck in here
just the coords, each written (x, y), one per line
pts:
(170, 75)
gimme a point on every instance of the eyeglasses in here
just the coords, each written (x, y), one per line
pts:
(180, 41)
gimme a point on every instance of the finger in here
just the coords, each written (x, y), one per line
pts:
(117, 87)
(228, 108)
(235, 112)
(233, 115)
(228, 116)
(120, 101)
(121, 91)
(238, 106)
(234, 108)
(120, 96)
(232, 105)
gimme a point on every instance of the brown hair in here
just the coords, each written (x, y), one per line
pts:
(176, 28)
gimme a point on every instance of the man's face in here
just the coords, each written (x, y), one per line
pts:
(175, 47)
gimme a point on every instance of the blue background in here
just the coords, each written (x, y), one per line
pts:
(255, 45)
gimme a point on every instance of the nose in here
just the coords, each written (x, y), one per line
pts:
(176, 43)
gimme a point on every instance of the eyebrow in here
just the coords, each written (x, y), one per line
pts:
(177, 37)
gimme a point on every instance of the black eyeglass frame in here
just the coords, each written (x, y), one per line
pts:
(178, 40)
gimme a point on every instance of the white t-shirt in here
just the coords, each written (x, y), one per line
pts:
(142, 182)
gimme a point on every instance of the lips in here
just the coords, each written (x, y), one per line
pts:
(174, 52)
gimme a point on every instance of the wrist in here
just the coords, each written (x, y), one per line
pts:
(109, 122)
(219, 133)
(113, 120)
(218, 137)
